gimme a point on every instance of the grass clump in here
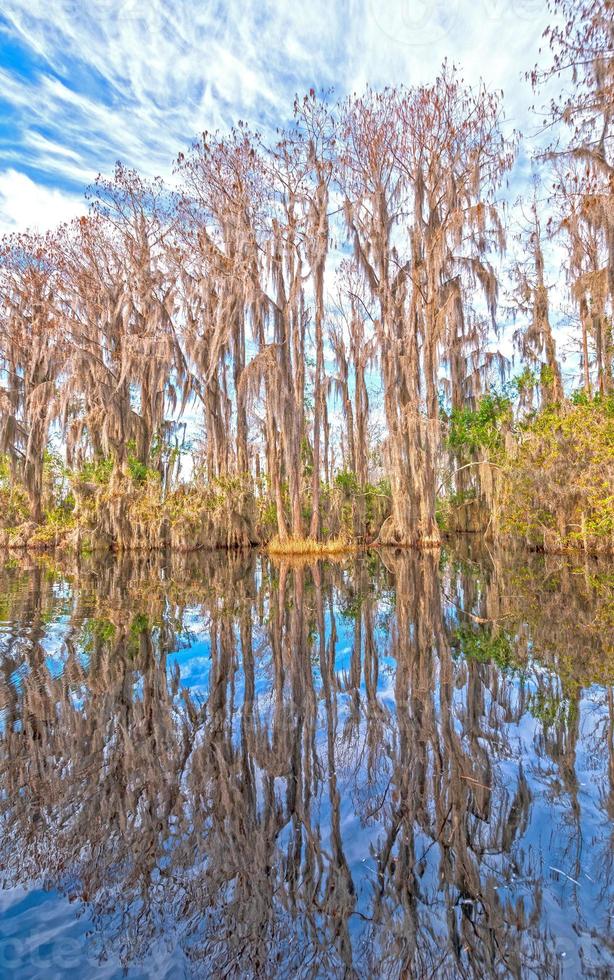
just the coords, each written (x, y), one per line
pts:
(309, 546)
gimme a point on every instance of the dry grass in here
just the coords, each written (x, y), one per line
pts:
(299, 547)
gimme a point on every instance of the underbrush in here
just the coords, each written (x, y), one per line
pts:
(557, 489)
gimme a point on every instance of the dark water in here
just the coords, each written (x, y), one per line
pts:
(388, 766)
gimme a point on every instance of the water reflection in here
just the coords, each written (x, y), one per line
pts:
(398, 765)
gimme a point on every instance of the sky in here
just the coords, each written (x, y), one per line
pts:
(84, 83)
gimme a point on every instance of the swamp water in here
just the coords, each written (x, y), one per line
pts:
(389, 765)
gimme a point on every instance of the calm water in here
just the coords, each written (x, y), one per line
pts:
(222, 766)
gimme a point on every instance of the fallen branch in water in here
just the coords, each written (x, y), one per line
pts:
(472, 616)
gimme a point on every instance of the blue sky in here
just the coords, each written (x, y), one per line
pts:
(86, 82)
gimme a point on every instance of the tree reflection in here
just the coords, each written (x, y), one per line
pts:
(359, 781)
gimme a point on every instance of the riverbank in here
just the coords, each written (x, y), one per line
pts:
(37, 539)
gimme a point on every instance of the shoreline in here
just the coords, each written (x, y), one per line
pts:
(303, 548)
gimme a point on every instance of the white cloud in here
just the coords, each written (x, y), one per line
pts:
(27, 205)
(136, 80)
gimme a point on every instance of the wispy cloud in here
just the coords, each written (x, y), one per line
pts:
(84, 84)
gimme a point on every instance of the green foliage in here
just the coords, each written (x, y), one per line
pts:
(347, 482)
(138, 470)
(58, 519)
(525, 381)
(378, 501)
(445, 505)
(546, 376)
(14, 507)
(97, 631)
(58, 499)
(55, 472)
(97, 471)
(139, 624)
(267, 516)
(306, 458)
(60, 516)
(482, 428)
(364, 507)
(551, 709)
(604, 402)
(559, 482)
(485, 646)
(442, 513)
(351, 606)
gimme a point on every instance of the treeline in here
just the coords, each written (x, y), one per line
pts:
(318, 309)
